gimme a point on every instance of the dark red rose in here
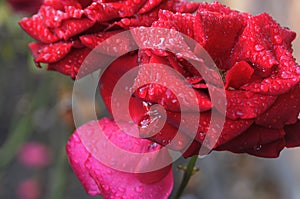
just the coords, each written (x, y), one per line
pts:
(261, 80)
(67, 31)
(252, 53)
(25, 6)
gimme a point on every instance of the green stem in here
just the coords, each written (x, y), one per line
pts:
(186, 177)
(59, 177)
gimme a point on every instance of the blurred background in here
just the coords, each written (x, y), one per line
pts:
(36, 121)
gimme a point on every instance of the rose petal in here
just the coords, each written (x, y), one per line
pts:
(72, 27)
(60, 5)
(292, 137)
(171, 90)
(247, 105)
(221, 132)
(50, 53)
(255, 44)
(112, 75)
(136, 21)
(93, 40)
(254, 139)
(111, 182)
(239, 75)
(53, 17)
(271, 150)
(287, 36)
(76, 151)
(284, 111)
(149, 5)
(144, 18)
(286, 76)
(153, 127)
(71, 63)
(99, 12)
(178, 21)
(182, 6)
(212, 27)
(218, 8)
(35, 27)
(112, 10)
(104, 43)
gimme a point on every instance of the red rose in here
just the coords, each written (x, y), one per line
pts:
(261, 80)
(253, 54)
(66, 31)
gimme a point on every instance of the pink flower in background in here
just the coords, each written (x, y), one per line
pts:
(34, 154)
(28, 189)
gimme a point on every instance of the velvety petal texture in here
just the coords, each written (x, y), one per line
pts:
(64, 29)
(260, 75)
(98, 178)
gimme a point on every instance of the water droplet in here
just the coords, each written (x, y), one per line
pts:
(239, 113)
(278, 39)
(298, 70)
(264, 88)
(259, 47)
(139, 189)
(121, 189)
(258, 147)
(202, 135)
(284, 75)
(105, 187)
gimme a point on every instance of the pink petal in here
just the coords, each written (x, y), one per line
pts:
(113, 183)
(76, 151)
